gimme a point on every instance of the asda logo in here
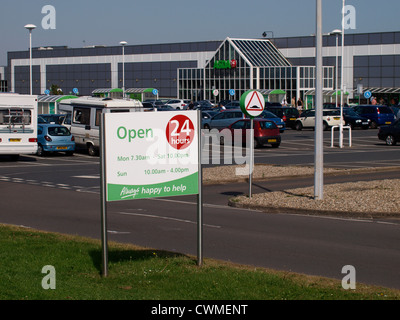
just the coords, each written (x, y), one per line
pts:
(225, 64)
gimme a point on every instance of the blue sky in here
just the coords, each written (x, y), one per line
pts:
(101, 22)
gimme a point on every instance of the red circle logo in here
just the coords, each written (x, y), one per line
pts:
(180, 132)
(233, 63)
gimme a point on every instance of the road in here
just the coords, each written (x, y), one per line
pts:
(61, 194)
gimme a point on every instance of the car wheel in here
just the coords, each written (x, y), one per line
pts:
(325, 126)
(40, 151)
(298, 126)
(91, 150)
(257, 143)
(390, 140)
(70, 153)
(373, 125)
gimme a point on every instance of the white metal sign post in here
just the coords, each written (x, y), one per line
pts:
(252, 103)
(147, 155)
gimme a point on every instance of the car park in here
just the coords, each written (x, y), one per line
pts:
(265, 132)
(270, 116)
(307, 119)
(223, 119)
(390, 134)
(289, 115)
(54, 138)
(354, 120)
(178, 104)
(379, 115)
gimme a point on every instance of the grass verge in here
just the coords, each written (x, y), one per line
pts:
(144, 274)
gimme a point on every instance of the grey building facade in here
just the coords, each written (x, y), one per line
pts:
(371, 60)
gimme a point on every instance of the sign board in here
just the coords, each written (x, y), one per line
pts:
(75, 90)
(47, 91)
(252, 103)
(151, 155)
(215, 92)
(367, 94)
(231, 92)
(155, 92)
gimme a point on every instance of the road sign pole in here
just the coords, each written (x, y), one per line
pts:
(199, 197)
(251, 154)
(319, 163)
(103, 200)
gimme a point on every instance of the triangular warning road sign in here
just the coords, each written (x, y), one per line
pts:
(255, 103)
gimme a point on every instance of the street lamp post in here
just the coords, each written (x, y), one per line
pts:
(123, 43)
(30, 27)
(319, 154)
(342, 82)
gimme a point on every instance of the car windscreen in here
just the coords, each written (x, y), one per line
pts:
(58, 131)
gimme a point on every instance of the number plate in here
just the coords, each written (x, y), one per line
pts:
(293, 118)
(336, 118)
(62, 148)
(271, 140)
(387, 122)
(14, 140)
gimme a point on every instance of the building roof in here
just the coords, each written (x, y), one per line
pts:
(260, 52)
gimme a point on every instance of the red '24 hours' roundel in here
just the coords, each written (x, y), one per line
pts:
(180, 132)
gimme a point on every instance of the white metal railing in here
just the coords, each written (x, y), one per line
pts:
(332, 134)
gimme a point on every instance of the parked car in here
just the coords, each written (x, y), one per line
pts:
(270, 116)
(235, 104)
(223, 119)
(265, 132)
(54, 138)
(178, 104)
(390, 134)
(307, 119)
(289, 115)
(379, 115)
(203, 105)
(354, 120)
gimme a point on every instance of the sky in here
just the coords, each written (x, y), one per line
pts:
(101, 22)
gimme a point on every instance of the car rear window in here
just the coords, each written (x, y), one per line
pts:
(268, 125)
(292, 112)
(58, 131)
(384, 110)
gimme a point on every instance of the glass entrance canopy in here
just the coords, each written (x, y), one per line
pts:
(244, 64)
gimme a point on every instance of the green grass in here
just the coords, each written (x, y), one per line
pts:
(144, 274)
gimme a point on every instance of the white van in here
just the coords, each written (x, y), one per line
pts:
(84, 113)
(18, 124)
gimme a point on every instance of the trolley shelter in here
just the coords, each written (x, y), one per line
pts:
(149, 155)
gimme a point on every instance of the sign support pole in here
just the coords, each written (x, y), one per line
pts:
(199, 198)
(103, 204)
(251, 154)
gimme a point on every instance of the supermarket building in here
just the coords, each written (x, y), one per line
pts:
(216, 70)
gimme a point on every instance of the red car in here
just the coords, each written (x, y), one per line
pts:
(265, 132)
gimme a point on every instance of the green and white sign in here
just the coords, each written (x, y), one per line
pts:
(252, 103)
(151, 154)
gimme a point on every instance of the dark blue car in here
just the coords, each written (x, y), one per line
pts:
(54, 138)
(379, 115)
